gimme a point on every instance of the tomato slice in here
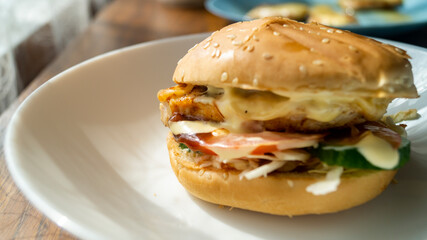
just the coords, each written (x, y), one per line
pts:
(248, 143)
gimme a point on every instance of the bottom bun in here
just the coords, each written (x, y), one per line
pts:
(278, 193)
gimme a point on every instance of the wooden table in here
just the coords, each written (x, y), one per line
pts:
(121, 23)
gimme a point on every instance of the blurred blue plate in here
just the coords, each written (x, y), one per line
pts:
(408, 17)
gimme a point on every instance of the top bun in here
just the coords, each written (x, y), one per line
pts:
(278, 54)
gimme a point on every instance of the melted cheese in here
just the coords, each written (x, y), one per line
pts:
(238, 105)
(204, 100)
(378, 152)
(233, 121)
(287, 155)
(292, 155)
(233, 153)
(326, 106)
(192, 127)
(328, 185)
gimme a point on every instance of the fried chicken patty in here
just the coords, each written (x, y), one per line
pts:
(187, 102)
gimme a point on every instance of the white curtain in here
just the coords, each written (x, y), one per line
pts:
(21, 20)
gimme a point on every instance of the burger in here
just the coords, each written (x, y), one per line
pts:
(282, 117)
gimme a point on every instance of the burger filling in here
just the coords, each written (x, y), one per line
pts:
(261, 132)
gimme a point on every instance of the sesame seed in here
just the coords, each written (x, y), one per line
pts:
(255, 29)
(323, 28)
(352, 48)
(301, 28)
(215, 45)
(309, 31)
(231, 36)
(325, 40)
(267, 56)
(225, 175)
(401, 51)
(243, 30)
(407, 65)
(236, 43)
(246, 38)
(339, 31)
(391, 89)
(235, 80)
(209, 39)
(330, 31)
(250, 48)
(285, 25)
(216, 53)
(276, 33)
(317, 62)
(255, 38)
(201, 172)
(229, 29)
(189, 50)
(312, 50)
(206, 45)
(209, 176)
(290, 183)
(255, 82)
(302, 69)
(224, 76)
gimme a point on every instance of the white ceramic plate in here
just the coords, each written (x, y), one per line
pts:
(88, 149)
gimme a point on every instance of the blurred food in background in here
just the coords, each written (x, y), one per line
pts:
(298, 11)
(369, 4)
(340, 14)
(389, 18)
(383, 8)
(326, 15)
(293, 10)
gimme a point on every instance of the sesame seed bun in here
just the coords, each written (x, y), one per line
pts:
(278, 193)
(283, 55)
